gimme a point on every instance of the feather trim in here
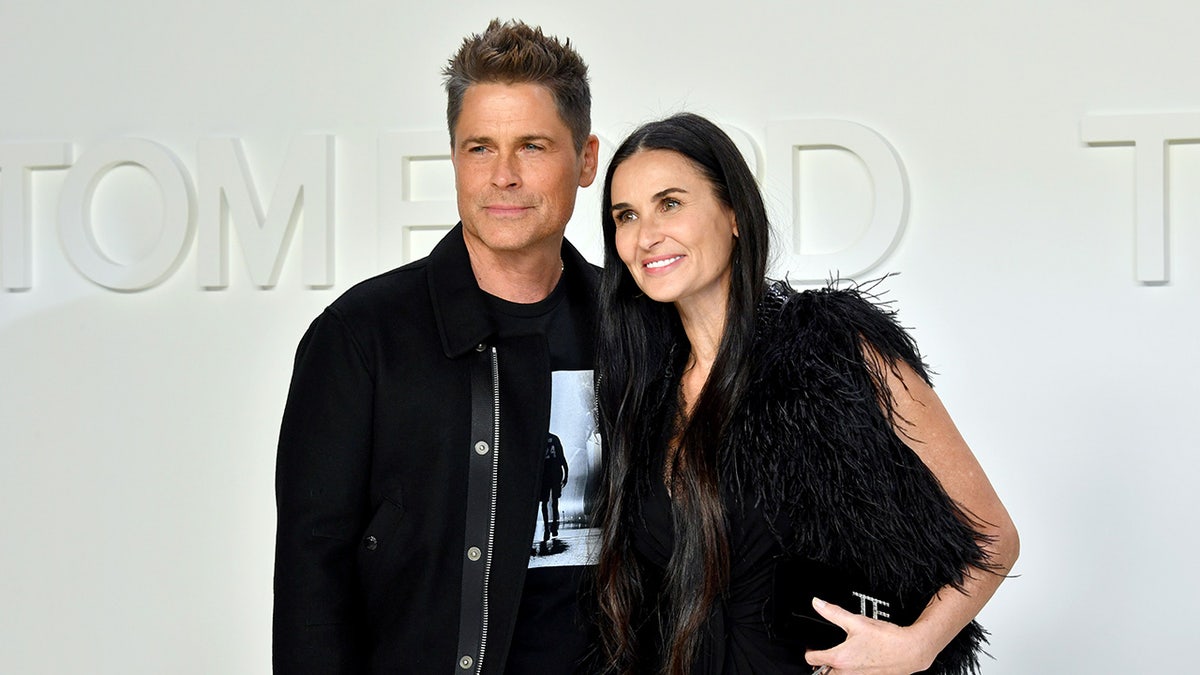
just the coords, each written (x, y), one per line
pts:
(816, 450)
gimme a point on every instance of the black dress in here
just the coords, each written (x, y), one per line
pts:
(739, 637)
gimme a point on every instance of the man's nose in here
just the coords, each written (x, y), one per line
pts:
(505, 173)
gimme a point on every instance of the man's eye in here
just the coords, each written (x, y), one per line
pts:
(532, 146)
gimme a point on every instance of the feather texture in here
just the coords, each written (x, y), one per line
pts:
(816, 449)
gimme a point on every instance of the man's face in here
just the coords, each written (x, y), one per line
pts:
(516, 170)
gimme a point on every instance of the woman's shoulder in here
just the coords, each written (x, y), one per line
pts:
(839, 305)
(841, 318)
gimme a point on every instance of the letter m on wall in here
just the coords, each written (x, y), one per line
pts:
(303, 196)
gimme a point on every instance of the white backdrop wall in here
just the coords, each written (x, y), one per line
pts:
(137, 427)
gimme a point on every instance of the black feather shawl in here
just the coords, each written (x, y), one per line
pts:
(815, 448)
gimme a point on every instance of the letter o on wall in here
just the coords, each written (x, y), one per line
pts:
(75, 217)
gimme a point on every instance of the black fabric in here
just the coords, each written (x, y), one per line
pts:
(371, 470)
(473, 620)
(551, 634)
(564, 324)
(742, 622)
(813, 472)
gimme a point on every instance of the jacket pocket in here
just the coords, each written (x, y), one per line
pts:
(379, 545)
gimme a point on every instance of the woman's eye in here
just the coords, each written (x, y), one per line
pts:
(670, 203)
(625, 217)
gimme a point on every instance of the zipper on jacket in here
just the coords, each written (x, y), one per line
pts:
(491, 534)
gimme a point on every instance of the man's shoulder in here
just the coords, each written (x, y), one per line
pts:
(384, 293)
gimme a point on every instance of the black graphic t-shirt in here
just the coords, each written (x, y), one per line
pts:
(552, 635)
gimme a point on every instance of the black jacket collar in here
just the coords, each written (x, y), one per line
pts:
(460, 306)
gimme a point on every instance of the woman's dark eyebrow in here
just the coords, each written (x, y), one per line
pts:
(657, 196)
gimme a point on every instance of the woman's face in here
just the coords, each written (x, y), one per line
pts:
(672, 232)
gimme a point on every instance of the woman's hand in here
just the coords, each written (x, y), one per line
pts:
(872, 647)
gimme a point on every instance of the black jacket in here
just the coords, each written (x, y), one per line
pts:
(405, 511)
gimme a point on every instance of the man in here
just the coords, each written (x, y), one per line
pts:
(410, 450)
(555, 473)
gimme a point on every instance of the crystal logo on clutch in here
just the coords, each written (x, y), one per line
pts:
(876, 604)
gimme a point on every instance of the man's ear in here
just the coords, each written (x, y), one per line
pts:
(591, 158)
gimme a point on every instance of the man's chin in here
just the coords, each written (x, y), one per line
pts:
(504, 240)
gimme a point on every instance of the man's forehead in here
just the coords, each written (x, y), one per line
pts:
(524, 109)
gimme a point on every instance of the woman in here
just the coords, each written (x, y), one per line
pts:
(763, 443)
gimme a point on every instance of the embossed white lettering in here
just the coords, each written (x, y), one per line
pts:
(1150, 134)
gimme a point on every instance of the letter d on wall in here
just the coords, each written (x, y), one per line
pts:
(786, 138)
(75, 214)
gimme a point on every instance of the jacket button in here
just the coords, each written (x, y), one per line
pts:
(371, 542)
(466, 662)
(473, 553)
(481, 448)
(479, 347)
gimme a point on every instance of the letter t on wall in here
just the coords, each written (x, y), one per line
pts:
(17, 162)
(1150, 135)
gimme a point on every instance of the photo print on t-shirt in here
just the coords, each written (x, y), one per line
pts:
(570, 476)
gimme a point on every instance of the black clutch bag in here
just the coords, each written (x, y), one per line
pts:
(798, 581)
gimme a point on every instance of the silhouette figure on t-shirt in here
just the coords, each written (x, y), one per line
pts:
(554, 479)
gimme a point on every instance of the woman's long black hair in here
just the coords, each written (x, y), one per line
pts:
(641, 349)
